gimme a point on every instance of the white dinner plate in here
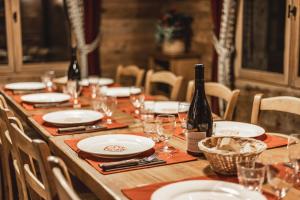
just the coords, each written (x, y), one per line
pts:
(240, 129)
(205, 190)
(164, 107)
(121, 91)
(99, 81)
(25, 86)
(72, 117)
(116, 145)
(45, 98)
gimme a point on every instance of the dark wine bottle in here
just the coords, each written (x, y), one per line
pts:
(74, 68)
(199, 121)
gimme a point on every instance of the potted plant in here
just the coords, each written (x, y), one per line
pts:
(174, 33)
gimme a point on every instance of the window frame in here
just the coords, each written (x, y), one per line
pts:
(258, 75)
(14, 43)
(9, 67)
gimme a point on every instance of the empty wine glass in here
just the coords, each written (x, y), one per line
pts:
(183, 108)
(47, 79)
(137, 99)
(280, 178)
(94, 85)
(165, 126)
(74, 89)
(294, 151)
(108, 105)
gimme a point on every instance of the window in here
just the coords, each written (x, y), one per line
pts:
(265, 40)
(39, 35)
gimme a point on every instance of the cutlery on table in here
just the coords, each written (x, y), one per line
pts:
(81, 129)
(49, 105)
(125, 164)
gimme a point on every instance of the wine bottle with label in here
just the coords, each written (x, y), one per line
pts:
(199, 121)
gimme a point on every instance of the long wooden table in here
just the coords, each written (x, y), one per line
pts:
(109, 186)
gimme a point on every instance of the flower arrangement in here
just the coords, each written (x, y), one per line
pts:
(173, 26)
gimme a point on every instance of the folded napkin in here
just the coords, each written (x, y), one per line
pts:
(177, 157)
(145, 192)
(53, 130)
(273, 141)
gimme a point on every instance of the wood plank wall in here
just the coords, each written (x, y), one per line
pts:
(128, 30)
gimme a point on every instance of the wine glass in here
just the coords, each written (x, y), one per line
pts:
(137, 98)
(108, 105)
(47, 79)
(74, 89)
(183, 108)
(94, 85)
(294, 156)
(294, 151)
(280, 178)
(165, 126)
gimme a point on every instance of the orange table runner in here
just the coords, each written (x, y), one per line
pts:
(145, 192)
(53, 129)
(176, 157)
(272, 141)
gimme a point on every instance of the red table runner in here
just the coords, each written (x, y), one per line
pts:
(145, 192)
(53, 129)
(176, 157)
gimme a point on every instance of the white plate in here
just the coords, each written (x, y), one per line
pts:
(25, 86)
(115, 146)
(230, 128)
(72, 117)
(99, 81)
(120, 91)
(205, 190)
(164, 107)
(45, 98)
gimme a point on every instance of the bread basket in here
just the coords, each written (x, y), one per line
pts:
(224, 162)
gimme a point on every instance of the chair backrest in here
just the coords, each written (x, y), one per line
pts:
(218, 90)
(3, 103)
(7, 155)
(31, 160)
(165, 77)
(130, 70)
(280, 103)
(62, 179)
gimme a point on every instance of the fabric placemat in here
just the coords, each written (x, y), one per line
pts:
(176, 157)
(145, 192)
(53, 129)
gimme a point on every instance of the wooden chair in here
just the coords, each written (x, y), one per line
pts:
(31, 164)
(165, 77)
(62, 179)
(5, 151)
(280, 103)
(217, 90)
(132, 71)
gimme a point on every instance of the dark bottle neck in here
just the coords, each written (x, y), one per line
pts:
(74, 53)
(199, 79)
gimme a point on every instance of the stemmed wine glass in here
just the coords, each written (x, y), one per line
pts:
(294, 156)
(137, 98)
(183, 108)
(94, 85)
(280, 178)
(108, 105)
(74, 89)
(47, 79)
(165, 126)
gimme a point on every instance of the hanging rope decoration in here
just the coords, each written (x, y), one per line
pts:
(76, 15)
(225, 45)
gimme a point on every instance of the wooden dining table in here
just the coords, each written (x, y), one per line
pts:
(110, 186)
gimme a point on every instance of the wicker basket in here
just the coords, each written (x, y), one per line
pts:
(224, 162)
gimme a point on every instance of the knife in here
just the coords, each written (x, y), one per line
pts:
(48, 105)
(125, 164)
(81, 129)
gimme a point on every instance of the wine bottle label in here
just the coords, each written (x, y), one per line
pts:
(193, 138)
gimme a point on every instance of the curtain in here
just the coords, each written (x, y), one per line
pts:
(216, 11)
(91, 28)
